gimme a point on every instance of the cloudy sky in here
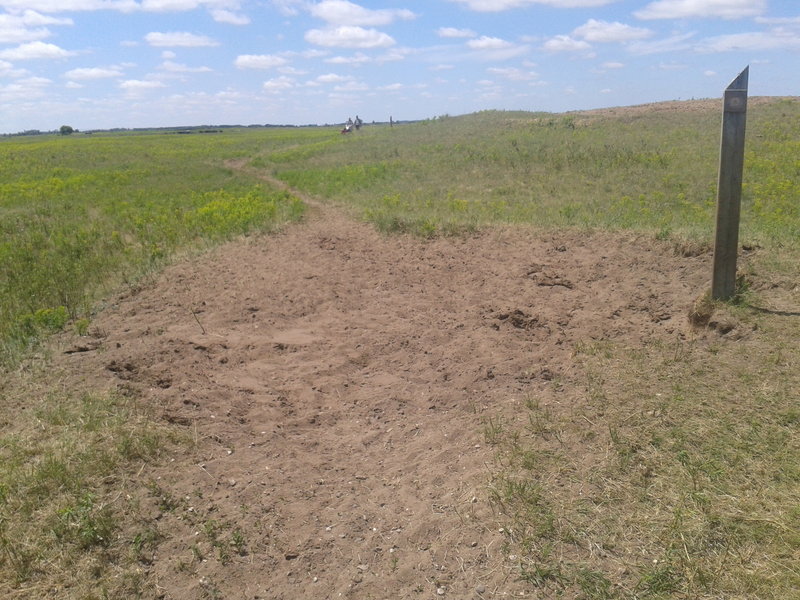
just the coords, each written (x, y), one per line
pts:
(140, 63)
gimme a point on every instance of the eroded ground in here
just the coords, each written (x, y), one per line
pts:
(338, 385)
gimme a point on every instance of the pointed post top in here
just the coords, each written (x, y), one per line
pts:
(740, 83)
(735, 98)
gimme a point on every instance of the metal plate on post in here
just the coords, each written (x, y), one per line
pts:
(736, 101)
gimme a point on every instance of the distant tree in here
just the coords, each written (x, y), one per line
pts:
(66, 130)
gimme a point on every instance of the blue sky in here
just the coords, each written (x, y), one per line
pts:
(141, 63)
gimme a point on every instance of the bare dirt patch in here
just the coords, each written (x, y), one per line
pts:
(337, 384)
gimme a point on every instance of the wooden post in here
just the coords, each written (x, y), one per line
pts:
(729, 189)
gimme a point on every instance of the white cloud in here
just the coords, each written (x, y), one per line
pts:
(683, 9)
(500, 5)
(169, 5)
(33, 18)
(357, 59)
(604, 32)
(288, 8)
(352, 86)
(125, 6)
(778, 20)
(218, 8)
(173, 67)
(259, 61)
(140, 85)
(673, 43)
(231, 18)
(750, 41)
(87, 73)
(495, 49)
(392, 55)
(349, 36)
(332, 78)
(24, 89)
(36, 50)
(672, 66)
(58, 6)
(392, 87)
(278, 84)
(311, 53)
(17, 28)
(612, 65)
(342, 12)
(513, 74)
(7, 70)
(564, 43)
(489, 43)
(291, 71)
(10, 34)
(452, 32)
(179, 39)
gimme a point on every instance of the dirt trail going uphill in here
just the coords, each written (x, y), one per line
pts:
(337, 380)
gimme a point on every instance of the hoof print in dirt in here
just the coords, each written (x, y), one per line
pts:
(545, 279)
(518, 319)
(123, 370)
(723, 325)
(284, 347)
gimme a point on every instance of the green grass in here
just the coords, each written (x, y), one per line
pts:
(651, 171)
(81, 215)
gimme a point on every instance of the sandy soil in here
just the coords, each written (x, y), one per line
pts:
(337, 383)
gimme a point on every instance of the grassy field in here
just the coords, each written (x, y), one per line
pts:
(690, 452)
(651, 171)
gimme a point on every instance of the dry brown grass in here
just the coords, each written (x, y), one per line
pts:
(673, 471)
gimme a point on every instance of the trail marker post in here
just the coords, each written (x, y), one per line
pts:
(729, 189)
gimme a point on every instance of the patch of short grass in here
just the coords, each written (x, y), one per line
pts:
(67, 496)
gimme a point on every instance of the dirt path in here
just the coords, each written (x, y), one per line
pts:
(337, 382)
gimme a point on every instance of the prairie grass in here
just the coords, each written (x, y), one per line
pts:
(673, 472)
(81, 215)
(670, 472)
(653, 171)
